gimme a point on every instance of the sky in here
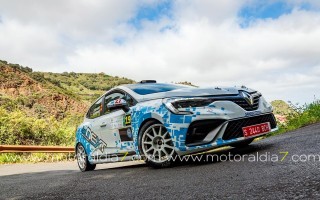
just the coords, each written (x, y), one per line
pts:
(270, 45)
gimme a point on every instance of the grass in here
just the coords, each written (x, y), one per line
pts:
(300, 116)
(17, 128)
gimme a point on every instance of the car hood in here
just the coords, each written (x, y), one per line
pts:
(194, 92)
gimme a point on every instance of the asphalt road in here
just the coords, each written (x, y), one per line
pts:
(297, 176)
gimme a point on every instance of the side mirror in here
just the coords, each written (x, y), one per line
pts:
(118, 104)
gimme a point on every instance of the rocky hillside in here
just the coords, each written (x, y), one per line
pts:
(43, 108)
(45, 94)
(281, 107)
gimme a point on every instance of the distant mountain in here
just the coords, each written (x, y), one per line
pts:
(280, 107)
(45, 94)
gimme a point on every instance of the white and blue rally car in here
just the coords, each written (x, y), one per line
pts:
(157, 121)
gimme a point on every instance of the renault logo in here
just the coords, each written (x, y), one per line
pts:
(248, 97)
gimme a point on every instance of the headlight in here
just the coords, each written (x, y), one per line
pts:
(176, 104)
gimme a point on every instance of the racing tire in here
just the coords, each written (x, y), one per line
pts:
(156, 145)
(82, 159)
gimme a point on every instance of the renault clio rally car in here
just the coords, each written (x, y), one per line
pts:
(158, 121)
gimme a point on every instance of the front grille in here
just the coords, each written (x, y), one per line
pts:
(240, 101)
(245, 105)
(234, 128)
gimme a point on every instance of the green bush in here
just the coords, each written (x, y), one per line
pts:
(16, 128)
(38, 76)
(301, 116)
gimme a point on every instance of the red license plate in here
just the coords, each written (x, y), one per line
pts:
(256, 129)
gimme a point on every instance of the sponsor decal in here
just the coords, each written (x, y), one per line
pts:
(93, 139)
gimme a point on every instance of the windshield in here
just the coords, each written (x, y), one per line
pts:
(150, 88)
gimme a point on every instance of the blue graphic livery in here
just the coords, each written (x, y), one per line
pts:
(157, 121)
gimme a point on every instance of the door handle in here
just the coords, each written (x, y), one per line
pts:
(103, 124)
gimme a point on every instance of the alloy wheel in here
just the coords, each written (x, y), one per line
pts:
(157, 144)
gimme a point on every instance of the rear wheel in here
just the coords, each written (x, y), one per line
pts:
(82, 159)
(156, 144)
(242, 143)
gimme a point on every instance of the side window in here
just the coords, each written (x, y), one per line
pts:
(95, 109)
(110, 97)
(129, 100)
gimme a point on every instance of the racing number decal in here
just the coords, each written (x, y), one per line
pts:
(127, 120)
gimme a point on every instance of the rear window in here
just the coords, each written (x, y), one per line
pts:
(150, 88)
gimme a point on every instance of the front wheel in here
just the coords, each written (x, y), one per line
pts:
(156, 145)
(82, 159)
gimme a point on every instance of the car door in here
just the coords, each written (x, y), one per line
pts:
(92, 123)
(114, 126)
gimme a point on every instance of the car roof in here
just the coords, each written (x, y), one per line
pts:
(143, 91)
(159, 91)
(151, 88)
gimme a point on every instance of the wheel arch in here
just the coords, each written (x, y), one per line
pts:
(149, 117)
(145, 121)
(76, 146)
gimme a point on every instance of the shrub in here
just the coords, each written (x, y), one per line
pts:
(301, 116)
(16, 128)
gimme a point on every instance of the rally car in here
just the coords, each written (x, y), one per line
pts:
(158, 121)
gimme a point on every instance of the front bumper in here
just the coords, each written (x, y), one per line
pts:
(214, 133)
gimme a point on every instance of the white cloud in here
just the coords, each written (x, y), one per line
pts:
(42, 34)
(213, 11)
(25, 42)
(75, 17)
(202, 43)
